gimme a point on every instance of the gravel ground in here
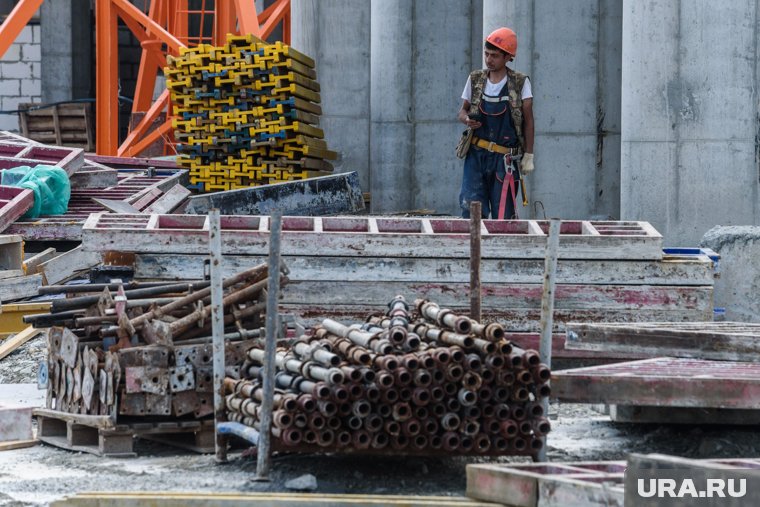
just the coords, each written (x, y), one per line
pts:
(39, 475)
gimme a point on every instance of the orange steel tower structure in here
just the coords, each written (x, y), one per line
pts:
(162, 30)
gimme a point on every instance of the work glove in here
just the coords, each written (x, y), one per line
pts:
(526, 166)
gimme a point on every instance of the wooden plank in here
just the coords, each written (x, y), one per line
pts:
(95, 421)
(169, 201)
(68, 264)
(14, 202)
(663, 382)
(11, 344)
(672, 270)
(30, 265)
(116, 206)
(720, 341)
(343, 236)
(18, 444)
(19, 287)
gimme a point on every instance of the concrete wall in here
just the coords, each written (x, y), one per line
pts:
(691, 117)
(336, 34)
(572, 53)
(416, 77)
(20, 75)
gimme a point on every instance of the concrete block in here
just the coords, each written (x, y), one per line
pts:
(9, 122)
(18, 70)
(15, 423)
(31, 87)
(36, 34)
(10, 87)
(36, 70)
(739, 283)
(31, 53)
(13, 54)
(11, 103)
(26, 37)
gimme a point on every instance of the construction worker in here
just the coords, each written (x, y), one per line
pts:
(498, 111)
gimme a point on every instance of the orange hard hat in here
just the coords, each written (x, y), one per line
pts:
(504, 39)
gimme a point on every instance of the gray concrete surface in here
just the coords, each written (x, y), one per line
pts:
(336, 34)
(738, 287)
(690, 117)
(67, 50)
(419, 56)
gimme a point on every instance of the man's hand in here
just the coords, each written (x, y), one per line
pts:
(526, 166)
(473, 124)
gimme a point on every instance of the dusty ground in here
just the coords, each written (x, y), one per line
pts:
(39, 475)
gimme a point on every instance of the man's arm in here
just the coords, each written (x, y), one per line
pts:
(462, 116)
(528, 129)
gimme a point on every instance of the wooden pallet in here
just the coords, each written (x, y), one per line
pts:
(93, 435)
(590, 484)
(62, 124)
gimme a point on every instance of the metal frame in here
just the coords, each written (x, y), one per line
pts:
(162, 31)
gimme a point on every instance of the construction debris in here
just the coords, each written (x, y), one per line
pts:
(418, 381)
(247, 113)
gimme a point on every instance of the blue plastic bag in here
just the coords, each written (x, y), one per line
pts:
(50, 185)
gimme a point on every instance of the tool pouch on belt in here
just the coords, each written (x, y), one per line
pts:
(477, 81)
(464, 143)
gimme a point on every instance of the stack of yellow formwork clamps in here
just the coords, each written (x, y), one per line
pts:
(246, 114)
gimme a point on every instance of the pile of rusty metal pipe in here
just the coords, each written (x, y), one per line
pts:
(155, 341)
(155, 313)
(419, 380)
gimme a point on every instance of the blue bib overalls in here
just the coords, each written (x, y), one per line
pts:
(485, 171)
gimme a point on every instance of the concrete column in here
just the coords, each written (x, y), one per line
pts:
(690, 115)
(441, 61)
(66, 50)
(392, 177)
(336, 34)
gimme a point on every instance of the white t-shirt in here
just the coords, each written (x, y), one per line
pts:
(493, 89)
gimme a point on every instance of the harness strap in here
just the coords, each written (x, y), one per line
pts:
(510, 184)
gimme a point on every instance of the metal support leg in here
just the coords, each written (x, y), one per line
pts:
(273, 293)
(217, 329)
(547, 308)
(475, 293)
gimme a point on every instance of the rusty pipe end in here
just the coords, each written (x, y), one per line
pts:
(397, 335)
(343, 438)
(466, 397)
(327, 408)
(361, 439)
(340, 393)
(450, 421)
(544, 390)
(509, 428)
(402, 411)
(380, 441)
(291, 436)
(385, 380)
(482, 443)
(410, 427)
(463, 325)
(494, 332)
(325, 438)
(450, 441)
(421, 397)
(541, 426)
